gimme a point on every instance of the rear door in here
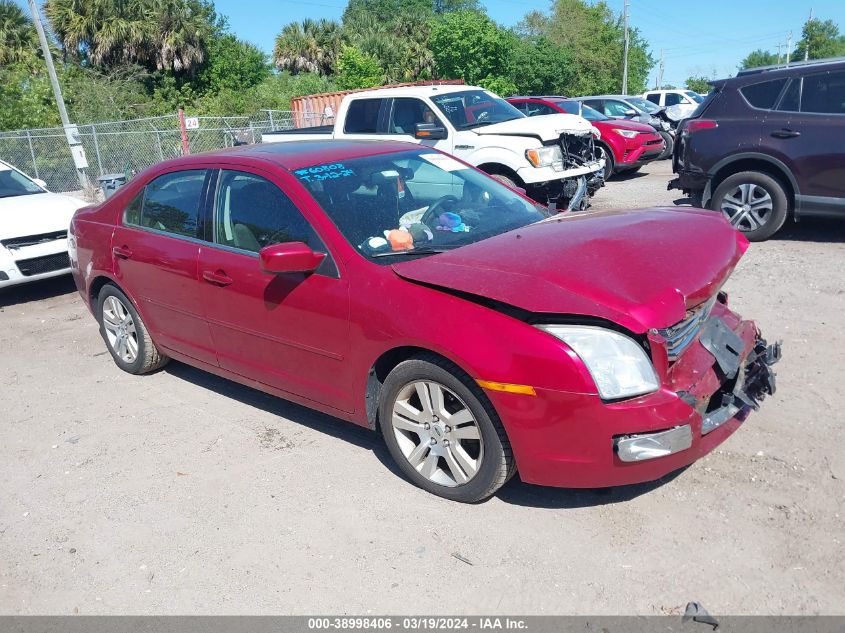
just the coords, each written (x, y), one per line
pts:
(289, 331)
(805, 131)
(155, 252)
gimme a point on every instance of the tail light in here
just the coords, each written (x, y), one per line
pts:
(695, 125)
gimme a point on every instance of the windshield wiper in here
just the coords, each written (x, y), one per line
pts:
(413, 251)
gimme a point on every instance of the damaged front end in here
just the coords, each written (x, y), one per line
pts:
(582, 172)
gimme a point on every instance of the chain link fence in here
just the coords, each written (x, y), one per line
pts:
(130, 146)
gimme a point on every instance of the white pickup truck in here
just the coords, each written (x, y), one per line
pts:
(551, 157)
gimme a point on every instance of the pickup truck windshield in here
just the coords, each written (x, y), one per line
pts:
(414, 203)
(474, 108)
(14, 184)
(643, 105)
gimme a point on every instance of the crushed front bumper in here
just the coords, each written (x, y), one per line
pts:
(573, 440)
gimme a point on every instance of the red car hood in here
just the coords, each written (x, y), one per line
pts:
(641, 268)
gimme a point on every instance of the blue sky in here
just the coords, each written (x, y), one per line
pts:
(703, 37)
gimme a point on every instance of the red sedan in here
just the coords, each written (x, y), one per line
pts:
(401, 289)
(625, 145)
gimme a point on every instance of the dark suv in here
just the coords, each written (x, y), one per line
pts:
(767, 143)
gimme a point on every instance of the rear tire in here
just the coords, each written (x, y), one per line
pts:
(125, 334)
(669, 140)
(442, 431)
(753, 202)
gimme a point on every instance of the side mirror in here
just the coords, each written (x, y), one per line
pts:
(630, 112)
(39, 182)
(430, 131)
(290, 257)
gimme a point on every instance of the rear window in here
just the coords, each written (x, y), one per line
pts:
(362, 116)
(709, 98)
(763, 95)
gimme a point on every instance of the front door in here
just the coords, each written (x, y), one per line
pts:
(155, 251)
(289, 331)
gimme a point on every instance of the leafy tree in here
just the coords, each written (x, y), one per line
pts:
(232, 64)
(758, 58)
(308, 46)
(499, 85)
(821, 38)
(699, 84)
(470, 46)
(18, 39)
(357, 70)
(539, 66)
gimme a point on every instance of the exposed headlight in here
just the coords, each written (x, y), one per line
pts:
(618, 365)
(626, 133)
(544, 156)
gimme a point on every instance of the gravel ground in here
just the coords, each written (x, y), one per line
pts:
(183, 493)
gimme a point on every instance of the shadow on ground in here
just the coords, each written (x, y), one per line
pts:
(514, 492)
(37, 290)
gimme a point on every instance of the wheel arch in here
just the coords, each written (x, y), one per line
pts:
(384, 364)
(502, 170)
(751, 161)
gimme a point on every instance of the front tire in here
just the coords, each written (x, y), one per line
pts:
(669, 141)
(609, 163)
(125, 334)
(442, 431)
(753, 202)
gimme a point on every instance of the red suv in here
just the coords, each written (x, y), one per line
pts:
(625, 145)
(401, 289)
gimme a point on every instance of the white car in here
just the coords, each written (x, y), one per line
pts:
(33, 228)
(679, 104)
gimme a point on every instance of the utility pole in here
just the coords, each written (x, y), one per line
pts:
(780, 46)
(788, 48)
(71, 132)
(807, 44)
(660, 68)
(624, 54)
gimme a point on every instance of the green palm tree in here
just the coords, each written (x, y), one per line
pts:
(17, 33)
(308, 46)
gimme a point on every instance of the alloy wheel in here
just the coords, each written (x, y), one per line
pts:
(120, 329)
(748, 207)
(437, 433)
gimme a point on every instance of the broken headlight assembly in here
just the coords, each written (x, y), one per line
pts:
(618, 365)
(544, 156)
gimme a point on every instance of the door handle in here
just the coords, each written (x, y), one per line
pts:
(121, 252)
(785, 133)
(216, 277)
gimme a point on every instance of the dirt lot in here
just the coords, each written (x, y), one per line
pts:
(183, 493)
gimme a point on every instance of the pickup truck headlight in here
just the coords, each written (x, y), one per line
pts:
(544, 156)
(626, 133)
(618, 365)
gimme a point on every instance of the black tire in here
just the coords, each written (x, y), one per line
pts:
(147, 357)
(505, 180)
(609, 162)
(669, 140)
(497, 462)
(773, 218)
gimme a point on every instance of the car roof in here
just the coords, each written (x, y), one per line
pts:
(620, 97)
(795, 68)
(296, 154)
(413, 91)
(539, 97)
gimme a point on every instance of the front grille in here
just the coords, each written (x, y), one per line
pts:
(655, 142)
(41, 265)
(31, 240)
(681, 335)
(579, 149)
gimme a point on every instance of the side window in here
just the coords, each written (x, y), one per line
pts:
(362, 116)
(522, 106)
(597, 104)
(132, 213)
(407, 112)
(541, 108)
(252, 212)
(673, 98)
(616, 108)
(763, 95)
(172, 202)
(570, 106)
(654, 98)
(791, 100)
(824, 93)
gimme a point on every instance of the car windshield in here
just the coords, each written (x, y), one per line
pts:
(474, 108)
(694, 96)
(583, 110)
(13, 183)
(643, 105)
(414, 203)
